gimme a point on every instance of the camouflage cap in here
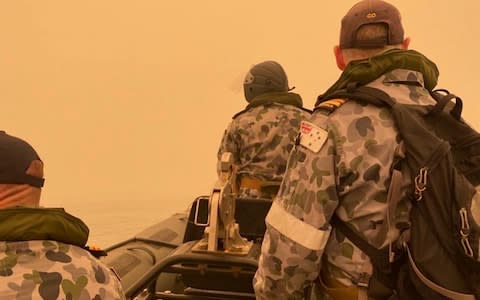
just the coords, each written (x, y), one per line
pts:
(371, 12)
(16, 155)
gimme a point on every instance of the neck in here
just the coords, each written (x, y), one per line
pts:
(19, 195)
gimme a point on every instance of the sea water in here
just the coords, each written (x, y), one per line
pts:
(116, 221)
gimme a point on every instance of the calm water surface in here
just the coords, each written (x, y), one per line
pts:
(111, 223)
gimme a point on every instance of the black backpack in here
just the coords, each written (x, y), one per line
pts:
(440, 259)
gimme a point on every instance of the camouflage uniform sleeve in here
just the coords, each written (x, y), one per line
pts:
(229, 143)
(298, 222)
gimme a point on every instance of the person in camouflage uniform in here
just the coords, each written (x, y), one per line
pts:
(42, 250)
(261, 136)
(342, 166)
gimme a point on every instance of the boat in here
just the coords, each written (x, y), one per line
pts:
(207, 252)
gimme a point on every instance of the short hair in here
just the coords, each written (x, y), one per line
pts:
(368, 32)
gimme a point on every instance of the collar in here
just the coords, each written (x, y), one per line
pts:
(288, 98)
(391, 62)
(27, 223)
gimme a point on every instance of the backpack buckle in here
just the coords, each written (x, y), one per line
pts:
(465, 232)
(421, 183)
(363, 280)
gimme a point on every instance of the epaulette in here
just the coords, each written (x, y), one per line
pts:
(329, 106)
(95, 251)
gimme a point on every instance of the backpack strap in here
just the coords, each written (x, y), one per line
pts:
(443, 100)
(378, 257)
(439, 289)
(381, 259)
(380, 98)
(370, 95)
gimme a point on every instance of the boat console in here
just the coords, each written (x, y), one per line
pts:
(219, 254)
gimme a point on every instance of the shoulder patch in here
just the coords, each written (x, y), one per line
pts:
(312, 137)
(330, 106)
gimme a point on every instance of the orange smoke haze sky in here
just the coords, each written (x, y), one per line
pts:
(126, 101)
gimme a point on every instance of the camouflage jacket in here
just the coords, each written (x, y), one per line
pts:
(261, 137)
(32, 267)
(341, 166)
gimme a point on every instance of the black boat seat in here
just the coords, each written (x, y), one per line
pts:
(250, 214)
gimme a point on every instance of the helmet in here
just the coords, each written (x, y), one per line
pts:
(267, 76)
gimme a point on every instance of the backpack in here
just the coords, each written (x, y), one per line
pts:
(439, 257)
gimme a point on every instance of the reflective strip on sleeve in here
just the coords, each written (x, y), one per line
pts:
(296, 230)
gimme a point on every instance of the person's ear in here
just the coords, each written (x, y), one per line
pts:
(406, 43)
(339, 57)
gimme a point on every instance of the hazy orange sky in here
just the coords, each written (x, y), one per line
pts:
(126, 101)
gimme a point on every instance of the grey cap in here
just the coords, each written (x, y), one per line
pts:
(265, 77)
(370, 12)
